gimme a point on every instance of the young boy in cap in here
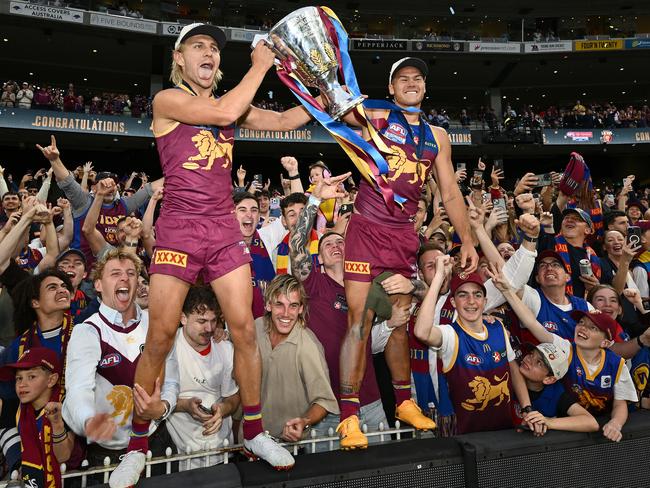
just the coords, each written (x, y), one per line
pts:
(45, 440)
(543, 368)
(476, 355)
(595, 374)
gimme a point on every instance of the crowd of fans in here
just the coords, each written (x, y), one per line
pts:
(46, 97)
(582, 116)
(592, 115)
(564, 266)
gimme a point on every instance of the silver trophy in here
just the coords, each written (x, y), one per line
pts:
(301, 42)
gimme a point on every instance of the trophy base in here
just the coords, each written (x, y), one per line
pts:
(338, 110)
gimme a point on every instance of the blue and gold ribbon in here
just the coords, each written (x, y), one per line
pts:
(366, 157)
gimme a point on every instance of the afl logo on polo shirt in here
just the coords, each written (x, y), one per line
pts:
(473, 359)
(110, 360)
(396, 133)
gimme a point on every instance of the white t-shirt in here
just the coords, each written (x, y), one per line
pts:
(209, 378)
(624, 388)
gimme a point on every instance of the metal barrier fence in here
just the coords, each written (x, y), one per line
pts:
(184, 461)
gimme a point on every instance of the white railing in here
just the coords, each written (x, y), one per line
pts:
(170, 460)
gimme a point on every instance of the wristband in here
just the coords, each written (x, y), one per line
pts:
(638, 341)
(529, 239)
(59, 440)
(61, 435)
(315, 201)
(294, 177)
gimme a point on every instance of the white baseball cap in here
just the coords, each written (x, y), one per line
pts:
(556, 359)
(408, 61)
(199, 28)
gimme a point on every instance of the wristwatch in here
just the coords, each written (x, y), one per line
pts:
(165, 413)
(526, 409)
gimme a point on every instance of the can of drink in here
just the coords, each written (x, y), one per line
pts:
(585, 267)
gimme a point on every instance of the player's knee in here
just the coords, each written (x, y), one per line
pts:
(161, 343)
(242, 333)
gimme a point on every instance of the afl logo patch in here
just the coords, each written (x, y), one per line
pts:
(473, 359)
(110, 360)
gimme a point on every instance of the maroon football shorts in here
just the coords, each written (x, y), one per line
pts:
(211, 246)
(372, 248)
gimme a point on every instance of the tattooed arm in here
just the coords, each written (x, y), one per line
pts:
(298, 250)
(326, 188)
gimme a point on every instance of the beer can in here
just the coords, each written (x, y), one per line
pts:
(585, 267)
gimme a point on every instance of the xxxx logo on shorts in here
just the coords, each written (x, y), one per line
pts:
(170, 257)
(357, 267)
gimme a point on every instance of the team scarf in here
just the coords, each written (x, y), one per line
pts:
(262, 264)
(446, 414)
(39, 466)
(586, 186)
(30, 338)
(78, 303)
(282, 262)
(562, 248)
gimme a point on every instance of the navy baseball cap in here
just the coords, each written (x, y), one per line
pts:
(584, 216)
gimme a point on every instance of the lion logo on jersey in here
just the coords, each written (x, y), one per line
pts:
(484, 392)
(589, 401)
(400, 164)
(211, 149)
(121, 398)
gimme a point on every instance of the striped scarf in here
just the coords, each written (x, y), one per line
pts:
(39, 466)
(282, 262)
(30, 339)
(446, 414)
(562, 248)
(262, 265)
(78, 303)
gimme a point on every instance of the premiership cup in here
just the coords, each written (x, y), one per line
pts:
(302, 44)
